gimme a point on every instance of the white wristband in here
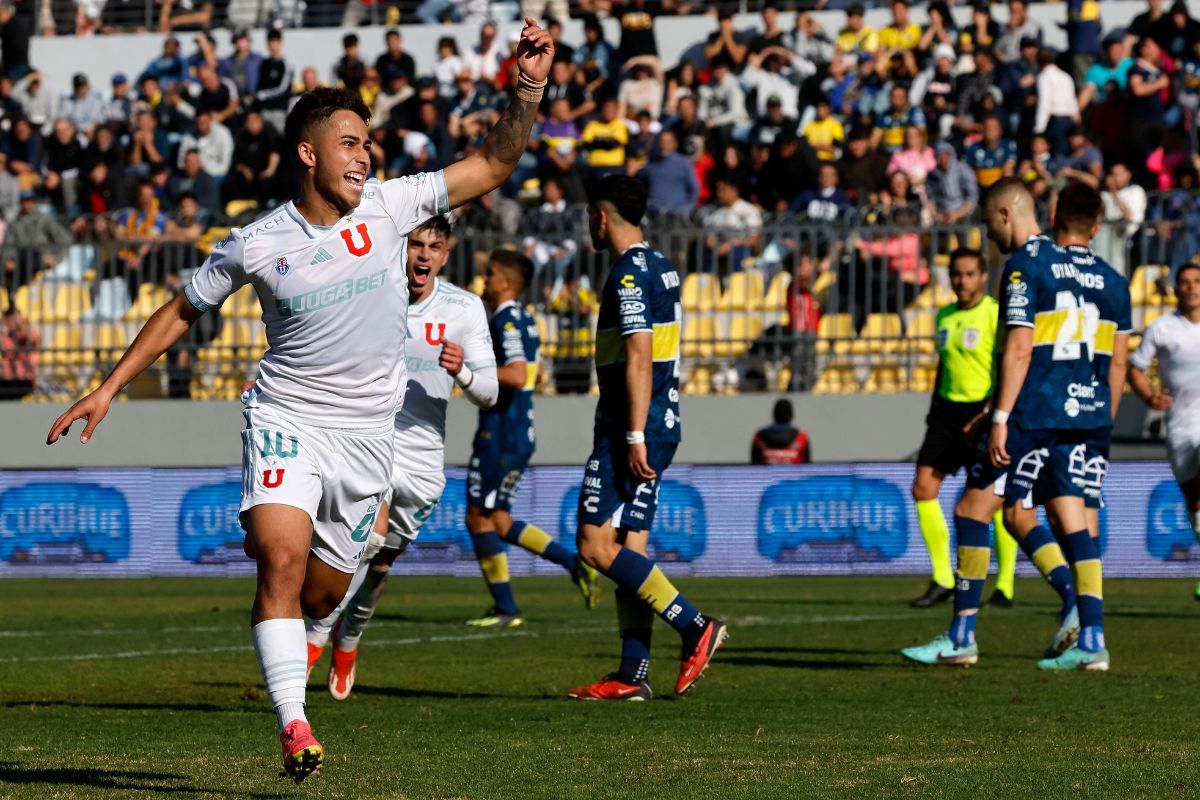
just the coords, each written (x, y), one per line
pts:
(1000, 417)
(635, 437)
(464, 376)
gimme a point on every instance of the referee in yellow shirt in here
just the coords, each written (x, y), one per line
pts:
(966, 337)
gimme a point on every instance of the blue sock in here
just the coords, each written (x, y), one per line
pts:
(538, 542)
(494, 564)
(1086, 556)
(1043, 550)
(639, 575)
(635, 619)
(974, 552)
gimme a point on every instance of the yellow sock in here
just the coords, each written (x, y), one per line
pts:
(534, 539)
(936, 533)
(1006, 556)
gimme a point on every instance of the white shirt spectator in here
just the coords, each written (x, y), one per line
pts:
(446, 72)
(1134, 198)
(782, 84)
(741, 217)
(644, 94)
(723, 102)
(216, 149)
(485, 65)
(38, 106)
(1056, 97)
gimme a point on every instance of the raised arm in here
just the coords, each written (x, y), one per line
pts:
(163, 329)
(494, 162)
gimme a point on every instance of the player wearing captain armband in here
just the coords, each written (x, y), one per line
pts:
(1174, 342)
(329, 270)
(447, 344)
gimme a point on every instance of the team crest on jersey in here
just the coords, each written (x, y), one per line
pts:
(356, 248)
(281, 265)
(430, 338)
(971, 338)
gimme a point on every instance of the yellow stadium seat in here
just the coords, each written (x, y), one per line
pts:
(235, 336)
(71, 301)
(109, 341)
(35, 303)
(922, 379)
(243, 304)
(1148, 316)
(836, 380)
(700, 335)
(880, 334)
(700, 291)
(1143, 286)
(211, 237)
(825, 282)
(150, 298)
(922, 332)
(235, 208)
(476, 285)
(699, 381)
(743, 330)
(744, 293)
(777, 293)
(884, 380)
(834, 330)
(549, 344)
(66, 347)
(3, 299)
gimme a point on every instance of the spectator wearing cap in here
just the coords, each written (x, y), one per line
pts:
(722, 101)
(1083, 29)
(348, 70)
(669, 178)
(1148, 86)
(824, 133)
(82, 106)
(1057, 105)
(483, 59)
(993, 157)
(169, 67)
(856, 37)
(595, 57)
(1018, 28)
(36, 103)
(890, 125)
(394, 56)
(862, 167)
(1114, 68)
(214, 142)
(192, 179)
(902, 33)
(118, 112)
(951, 189)
(644, 89)
(771, 35)
(243, 67)
(215, 95)
(808, 40)
(273, 94)
(935, 91)
(604, 140)
(776, 72)
(981, 32)
(726, 42)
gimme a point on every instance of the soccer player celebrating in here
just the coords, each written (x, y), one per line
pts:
(503, 444)
(966, 334)
(317, 447)
(440, 317)
(1175, 341)
(637, 431)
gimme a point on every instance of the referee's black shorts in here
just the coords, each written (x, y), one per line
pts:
(946, 448)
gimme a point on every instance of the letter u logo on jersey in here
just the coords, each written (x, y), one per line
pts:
(441, 333)
(356, 249)
(272, 482)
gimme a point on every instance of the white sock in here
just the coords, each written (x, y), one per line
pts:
(317, 631)
(283, 659)
(361, 606)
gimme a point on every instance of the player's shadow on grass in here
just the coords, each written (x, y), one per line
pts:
(205, 707)
(1136, 614)
(12, 772)
(826, 651)
(405, 693)
(794, 663)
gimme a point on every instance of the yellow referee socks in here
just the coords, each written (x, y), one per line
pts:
(1006, 556)
(936, 533)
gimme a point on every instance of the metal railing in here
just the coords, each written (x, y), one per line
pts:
(866, 324)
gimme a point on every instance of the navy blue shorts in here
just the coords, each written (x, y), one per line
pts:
(611, 493)
(1056, 463)
(493, 478)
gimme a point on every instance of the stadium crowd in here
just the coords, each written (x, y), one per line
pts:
(886, 130)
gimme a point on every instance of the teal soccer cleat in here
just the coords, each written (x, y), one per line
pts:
(1074, 658)
(1066, 635)
(944, 652)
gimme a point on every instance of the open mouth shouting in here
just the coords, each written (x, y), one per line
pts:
(355, 179)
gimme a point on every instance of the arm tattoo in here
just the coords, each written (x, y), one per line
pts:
(509, 135)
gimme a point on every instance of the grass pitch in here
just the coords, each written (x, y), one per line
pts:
(149, 688)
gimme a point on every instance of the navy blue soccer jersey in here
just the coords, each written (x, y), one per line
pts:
(641, 295)
(1108, 291)
(1045, 290)
(508, 425)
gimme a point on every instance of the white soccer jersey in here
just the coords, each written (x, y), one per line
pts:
(448, 313)
(1176, 344)
(334, 302)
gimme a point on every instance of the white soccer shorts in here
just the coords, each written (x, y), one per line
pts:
(411, 502)
(339, 478)
(1183, 452)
